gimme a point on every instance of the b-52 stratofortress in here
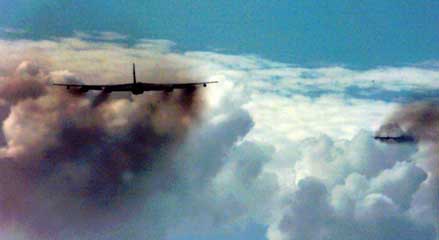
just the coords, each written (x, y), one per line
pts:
(398, 139)
(134, 87)
(392, 133)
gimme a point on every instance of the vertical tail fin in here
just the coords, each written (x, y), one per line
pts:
(134, 73)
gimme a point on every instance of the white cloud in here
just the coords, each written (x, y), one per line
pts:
(101, 36)
(399, 183)
(11, 30)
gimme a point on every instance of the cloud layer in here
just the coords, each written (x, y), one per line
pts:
(281, 146)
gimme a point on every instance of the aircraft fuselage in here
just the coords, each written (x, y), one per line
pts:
(137, 89)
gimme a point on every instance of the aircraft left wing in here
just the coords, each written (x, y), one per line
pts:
(85, 87)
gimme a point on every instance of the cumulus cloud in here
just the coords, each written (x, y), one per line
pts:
(310, 214)
(102, 36)
(291, 106)
(347, 189)
(282, 146)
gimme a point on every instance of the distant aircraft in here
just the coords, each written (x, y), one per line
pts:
(392, 133)
(398, 139)
(135, 87)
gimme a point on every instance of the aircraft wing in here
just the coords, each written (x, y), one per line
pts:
(134, 87)
(85, 87)
(171, 86)
(399, 139)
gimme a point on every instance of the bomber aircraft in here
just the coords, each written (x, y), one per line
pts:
(134, 87)
(392, 133)
(398, 139)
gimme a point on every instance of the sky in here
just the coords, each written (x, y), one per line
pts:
(281, 148)
(357, 34)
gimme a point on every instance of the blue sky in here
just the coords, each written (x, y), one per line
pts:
(359, 34)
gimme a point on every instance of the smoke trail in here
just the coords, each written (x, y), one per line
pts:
(416, 121)
(79, 161)
(420, 119)
(100, 98)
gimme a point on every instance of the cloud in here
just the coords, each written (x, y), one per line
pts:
(89, 167)
(360, 188)
(10, 30)
(288, 106)
(283, 146)
(100, 36)
(309, 214)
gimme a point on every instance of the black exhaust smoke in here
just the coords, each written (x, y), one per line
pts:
(413, 122)
(71, 161)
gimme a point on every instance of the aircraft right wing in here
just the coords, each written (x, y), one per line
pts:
(172, 86)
